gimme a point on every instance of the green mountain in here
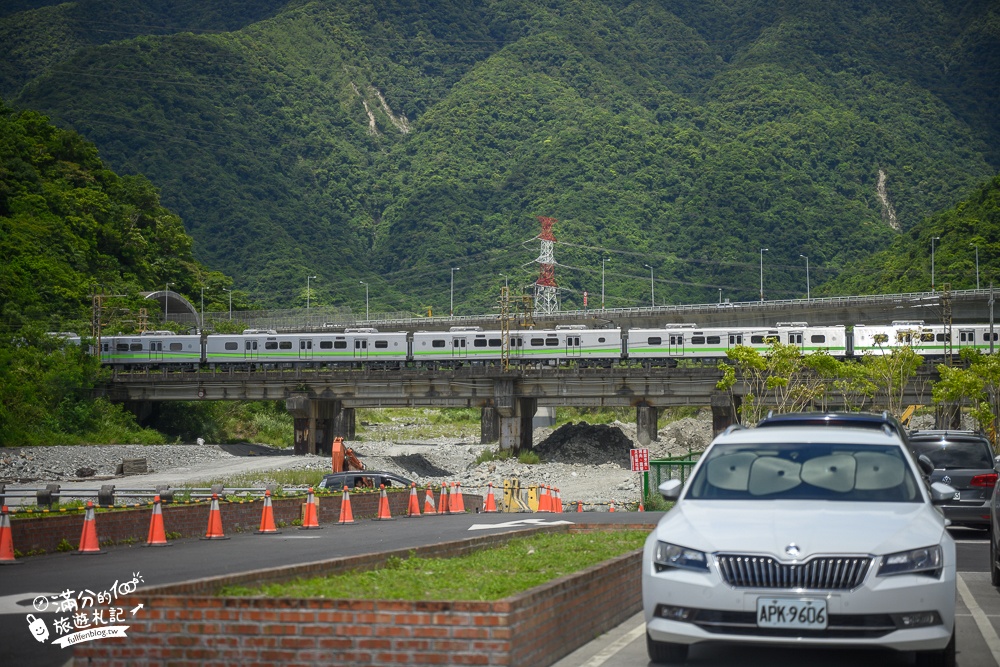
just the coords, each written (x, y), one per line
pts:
(391, 141)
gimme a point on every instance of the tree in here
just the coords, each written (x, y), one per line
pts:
(978, 382)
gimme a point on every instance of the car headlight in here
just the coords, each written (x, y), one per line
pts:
(667, 555)
(926, 560)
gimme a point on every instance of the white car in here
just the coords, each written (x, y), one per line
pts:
(802, 536)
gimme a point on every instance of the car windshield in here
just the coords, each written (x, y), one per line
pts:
(957, 454)
(805, 471)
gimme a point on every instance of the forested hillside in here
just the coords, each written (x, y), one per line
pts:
(392, 141)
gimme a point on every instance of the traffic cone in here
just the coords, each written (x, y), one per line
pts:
(429, 507)
(557, 502)
(310, 520)
(612, 508)
(89, 543)
(383, 506)
(157, 537)
(414, 507)
(443, 499)
(579, 506)
(491, 502)
(544, 505)
(457, 503)
(346, 514)
(641, 508)
(214, 531)
(267, 526)
(6, 540)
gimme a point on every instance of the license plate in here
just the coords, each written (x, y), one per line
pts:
(958, 495)
(791, 613)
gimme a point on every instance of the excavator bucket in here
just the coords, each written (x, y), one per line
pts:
(338, 454)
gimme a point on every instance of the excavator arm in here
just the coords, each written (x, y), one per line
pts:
(344, 458)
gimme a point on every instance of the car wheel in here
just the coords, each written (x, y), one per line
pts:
(943, 658)
(666, 653)
(994, 570)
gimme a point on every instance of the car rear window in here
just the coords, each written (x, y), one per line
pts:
(952, 454)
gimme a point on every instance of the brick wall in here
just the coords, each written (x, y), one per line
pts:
(186, 624)
(120, 526)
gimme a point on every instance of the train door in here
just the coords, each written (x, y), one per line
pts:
(155, 350)
(573, 347)
(458, 348)
(250, 350)
(966, 338)
(360, 348)
(516, 346)
(795, 338)
(305, 348)
(675, 344)
(735, 338)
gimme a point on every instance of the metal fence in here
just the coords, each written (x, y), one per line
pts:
(662, 470)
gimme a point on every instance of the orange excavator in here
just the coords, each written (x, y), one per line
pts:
(344, 458)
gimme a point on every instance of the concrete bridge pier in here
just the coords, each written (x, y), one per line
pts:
(645, 424)
(315, 423)
(515, 430)
(344, 425)
(489, 424)
(724, 411)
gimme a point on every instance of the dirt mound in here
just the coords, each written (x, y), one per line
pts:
(416, 464)
(585, 443)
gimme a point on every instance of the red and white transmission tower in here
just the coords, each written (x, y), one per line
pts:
(546, 297)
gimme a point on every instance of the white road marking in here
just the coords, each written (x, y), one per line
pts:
(519, 523)
(614, 647)
(982, 622)
(20, 603)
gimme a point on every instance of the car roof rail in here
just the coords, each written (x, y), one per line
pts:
(733, 427)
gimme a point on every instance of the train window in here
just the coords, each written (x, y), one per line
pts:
(881, 338)
(176, 347)
(232, 346)
(552, 342)
(941, 338)
(817, 338)
(795, 339)
(326, 345)
(360, 344)
(756, 340)
(479, 342)
(381, 344)
(285, 345)
(516, 341)
(986, 335)
(927, 337)
(537, 342)
(305, 345)
(495, 342)
(697, 340)
(458, 342)
(340, 344)
(135, 347)
(654, 340)
(904, 337)
(713, 340)
(437, 343)
(271, 345)
(106, 347)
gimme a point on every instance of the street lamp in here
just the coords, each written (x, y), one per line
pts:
(453, 270)
(166, 302)
(603, 261)
(720, 295)
(807, 276)
(366, 299)
(230, 302)
(308, 278)
(506, 286)
(977, 263)
(652, 295)
(202, 310)
(762, 251)
(933, 239)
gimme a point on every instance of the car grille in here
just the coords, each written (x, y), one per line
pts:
(824, 572)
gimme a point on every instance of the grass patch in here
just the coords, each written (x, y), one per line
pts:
(265, 477)
(490, 574)
(526, 456)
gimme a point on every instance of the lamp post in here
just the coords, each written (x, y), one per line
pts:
(933, 239)
(977, 263)
(506, 286)
(166, 302)
(603, 261)
(762, 251)
(366, 299)
(652, 295)
(202, 310)
(720, 296)
(451, 312)
(807, 276)
(230, 302)
(308, 278)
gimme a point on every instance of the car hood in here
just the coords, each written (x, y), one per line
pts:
(815, 527)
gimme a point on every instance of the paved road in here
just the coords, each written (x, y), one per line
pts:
(978, 621)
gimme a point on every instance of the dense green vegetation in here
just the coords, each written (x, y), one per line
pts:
(685, 135)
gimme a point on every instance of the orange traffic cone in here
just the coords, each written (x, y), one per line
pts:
(544, 505)
(413, 509)
(346, 514)
(557, 502)
(6, 540)
(491, 502)
(88, 538)
(612, 508)
(429, 507)
(214, 531)
(157, 537)
(267, 526)
(579, 506)
(310, 519)
(383, 506)
(641, 507)
(457, 502)
(443, 499)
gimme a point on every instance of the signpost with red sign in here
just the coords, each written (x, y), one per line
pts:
(640, 464)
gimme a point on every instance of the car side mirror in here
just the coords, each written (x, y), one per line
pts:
(926, 465)
(670, 489)
(941, 493)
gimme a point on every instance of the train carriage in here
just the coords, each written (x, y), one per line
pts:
(152, 349)
(353, 347)
(475, 346)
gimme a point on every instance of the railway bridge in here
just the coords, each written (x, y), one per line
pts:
(323, 402)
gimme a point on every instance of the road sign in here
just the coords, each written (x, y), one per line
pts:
(640, 460)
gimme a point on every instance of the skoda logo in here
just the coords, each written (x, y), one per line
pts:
(946, 479)
(793, 551)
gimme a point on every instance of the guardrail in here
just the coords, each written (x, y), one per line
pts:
(108, 494)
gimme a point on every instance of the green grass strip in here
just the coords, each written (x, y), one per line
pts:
(490, 574)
